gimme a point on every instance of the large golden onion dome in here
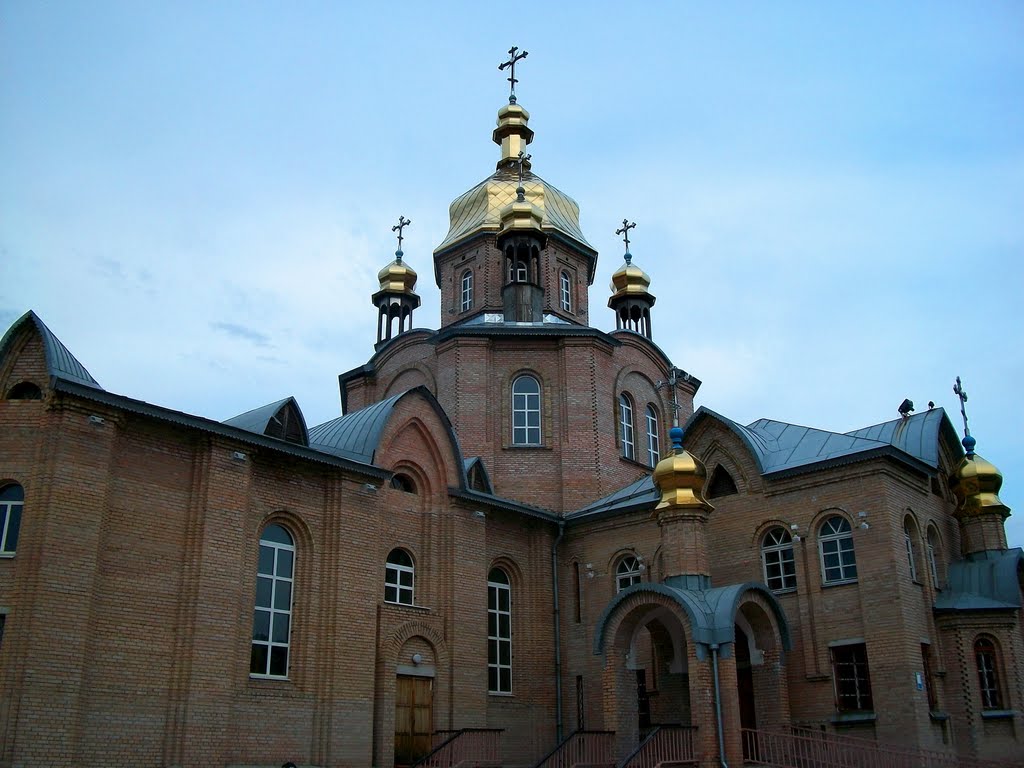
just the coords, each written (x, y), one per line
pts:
(397, 277)
(629, 279)
(680, 478)
(480, 209)
(976, 483)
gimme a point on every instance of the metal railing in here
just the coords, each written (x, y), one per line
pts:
(582, 748)
(665, 745)
(808, 748)
(464, 748)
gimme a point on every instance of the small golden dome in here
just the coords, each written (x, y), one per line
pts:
(629, 279)
(680, 478)
(976, 483)
(397, 277)
(522, 216)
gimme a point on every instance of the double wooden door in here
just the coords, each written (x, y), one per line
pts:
(414, 718)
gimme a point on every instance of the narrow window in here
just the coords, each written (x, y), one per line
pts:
(626, 426)
(526, 411)
(653, 442)
(777, 559)
(929, 682)
(627, 573)
(271, 627)
(577, 590)
(467, 290)
(499, 632)
(398, 578)
(12, 500)
(988, 673)
(908, 544)
(3, 621)
(566, 291)
(581, 704)
(851, 679)
(933, 545)
(518, 272)
(835, 544)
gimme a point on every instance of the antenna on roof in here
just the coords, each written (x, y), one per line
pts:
(906, 408)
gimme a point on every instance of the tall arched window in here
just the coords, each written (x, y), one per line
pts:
(835, 545)
(626, 426)
(908, 545)
(986, 658)
(565, 286)
(628, 572)
(499, 632)
(777, 559)
(398, 578)
(272, 619)
(653, 441)
(526, 411)
(933, 553)
(12, 500)
(467, 290)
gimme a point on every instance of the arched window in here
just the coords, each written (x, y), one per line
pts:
(272, 619)
(499, 632)
(721, 483)
(25, 390)
(398, 578)
(908, 545)
(986, 658)
(835, 545)
(565, 286)
(402, 482)
(12, 500)
(933, 553)
(777, 559)
(628, 572)
(518, 271)
(526, 411)
(653, 441)
(467, 290)
(626, 426)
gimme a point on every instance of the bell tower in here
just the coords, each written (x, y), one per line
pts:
(520, 240)
(396, 299)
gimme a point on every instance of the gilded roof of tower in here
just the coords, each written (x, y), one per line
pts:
(479, 209)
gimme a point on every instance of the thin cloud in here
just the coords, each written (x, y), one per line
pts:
(241, 332)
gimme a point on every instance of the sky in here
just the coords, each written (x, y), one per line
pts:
(196, 197)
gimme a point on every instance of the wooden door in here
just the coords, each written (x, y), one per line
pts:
(414, 720)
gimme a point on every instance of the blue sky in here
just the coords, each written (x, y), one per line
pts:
(196, 197)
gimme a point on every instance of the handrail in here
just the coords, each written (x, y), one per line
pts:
(665, 745)
(594, 753)
(641, 745)
(444, 755)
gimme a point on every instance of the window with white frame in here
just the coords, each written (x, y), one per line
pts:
(835, 545)
(653, 440)
(908, 545)
(985, 657)
(628, 572)
(398, 578)
(499, 632)
(467, 290)
(850, 678)
(933, 546)
(526, 411)
(518, 272)
(628, 445)
(12, 501)
(272, 619)
(566, 291)
(777, 559)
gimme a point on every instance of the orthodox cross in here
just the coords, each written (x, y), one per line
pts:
(521, 161)
(402, 224)
(958, 390)
(511, 64)
(626, 226)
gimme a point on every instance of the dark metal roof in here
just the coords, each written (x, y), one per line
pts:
(985, 581)
(490, 500)
(641, 494)
(60, 363)
(262, 420)
(354, 435)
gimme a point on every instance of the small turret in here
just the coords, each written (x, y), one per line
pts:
(520, 240)
(396, 298)
(631, 298)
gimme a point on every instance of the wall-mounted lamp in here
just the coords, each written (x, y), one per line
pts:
(479, 513)
(96, 420)
(864, 523)
(590, 570)
(238, 455)
(370, 487)
(417, 659)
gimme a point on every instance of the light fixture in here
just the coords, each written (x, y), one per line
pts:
(96, 420)
(238, 455)
(370, 487)
(417, 659)
(478, 513)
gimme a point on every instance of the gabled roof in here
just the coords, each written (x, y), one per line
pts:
(282, 419)
(60, 363)
(641, 494)
(779, 447)
(985, 581)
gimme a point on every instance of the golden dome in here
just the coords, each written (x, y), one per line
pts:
(680, 478)
(397, 277)
(480, 209)
(522, 216)
(976, 483)
(629, 279)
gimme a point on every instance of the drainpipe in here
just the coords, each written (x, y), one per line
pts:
(718, 708)
(558, 633)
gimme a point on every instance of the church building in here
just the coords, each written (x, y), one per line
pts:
(518, 544)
